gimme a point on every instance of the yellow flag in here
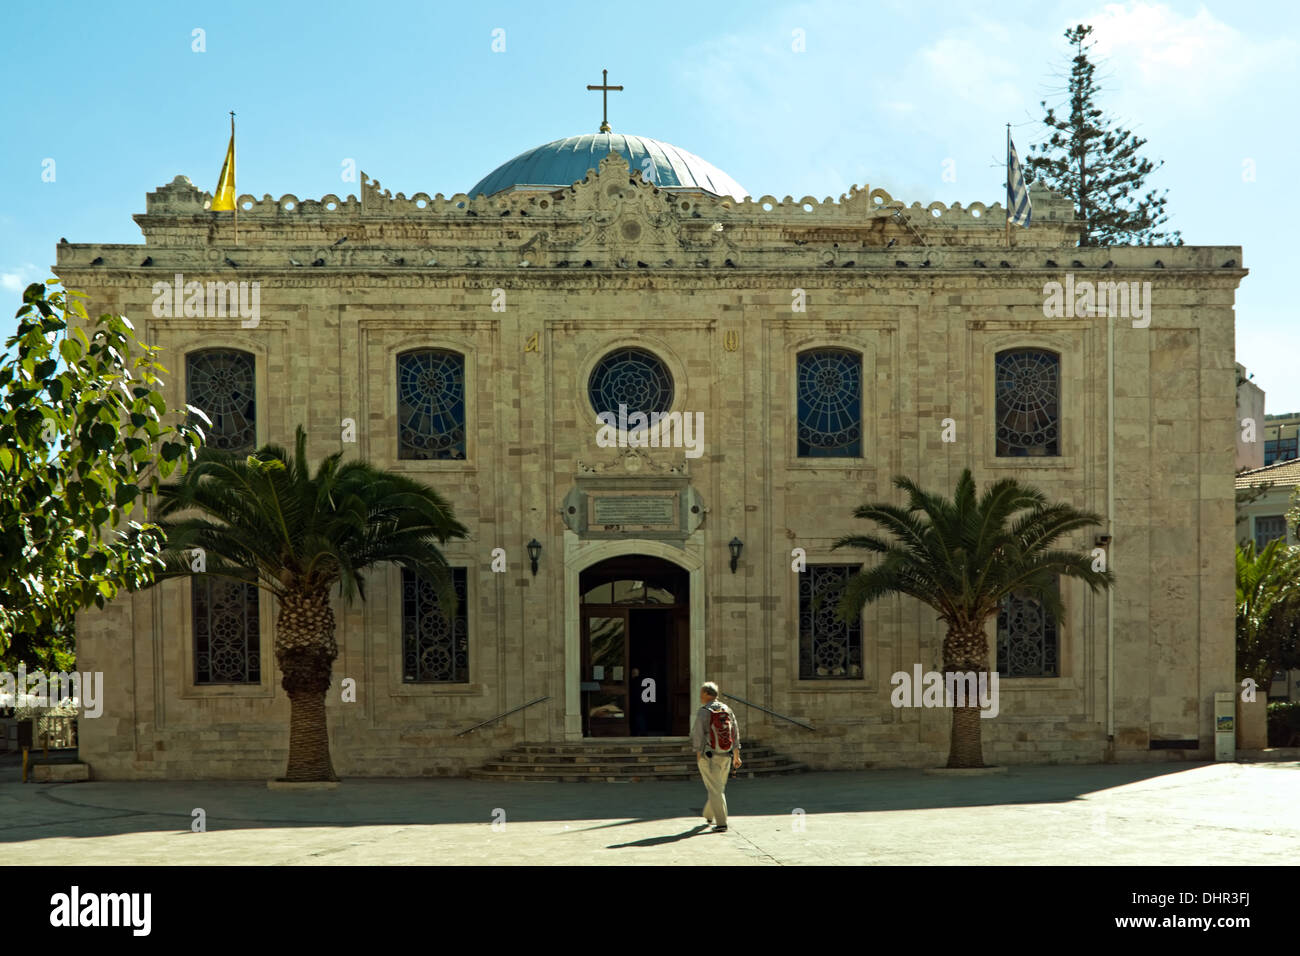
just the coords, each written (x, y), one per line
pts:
(224, 200)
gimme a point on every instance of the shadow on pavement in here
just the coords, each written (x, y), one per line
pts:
(660, 841)
(41, 811)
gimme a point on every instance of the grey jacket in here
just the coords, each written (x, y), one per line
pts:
(700, 729)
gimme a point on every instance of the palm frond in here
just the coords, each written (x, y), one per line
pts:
(272, 516)
(963, 555)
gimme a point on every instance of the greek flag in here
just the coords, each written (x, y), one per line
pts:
(1019, 210)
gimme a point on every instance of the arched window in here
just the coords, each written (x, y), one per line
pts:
(1027, 638)
(431, 405)
(1028, 389)
(633, 378)
(227, 649)
(829, 404)
(220, 382)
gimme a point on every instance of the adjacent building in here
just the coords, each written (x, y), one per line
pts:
(1281, 437)
(1252, 431)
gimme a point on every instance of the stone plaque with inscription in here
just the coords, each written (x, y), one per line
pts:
(664, 508)
(634, 510)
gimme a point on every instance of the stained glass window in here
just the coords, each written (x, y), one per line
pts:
(631, 377)
(1027, 638)
(829, 649)
(431, 405)
(830, 404)
(434, 648)
(227, 649)
(220, 382)
(1028, 403)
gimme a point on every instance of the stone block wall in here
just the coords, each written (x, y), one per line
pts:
(326, 348)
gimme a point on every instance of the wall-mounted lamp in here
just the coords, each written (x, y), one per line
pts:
(534, 552)
(734, 546)
(1103, 540)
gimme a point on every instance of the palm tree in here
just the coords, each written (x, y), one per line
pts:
(1268, 610)
(266, 519)
(962, 557)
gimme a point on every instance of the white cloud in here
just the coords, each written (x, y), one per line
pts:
(19, 277)
(960, 65)
(1158, 53)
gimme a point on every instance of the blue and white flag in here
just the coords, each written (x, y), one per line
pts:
(1019, 209)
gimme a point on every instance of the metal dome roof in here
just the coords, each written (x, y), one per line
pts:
(566, 161)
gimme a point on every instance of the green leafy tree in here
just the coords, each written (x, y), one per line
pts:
(1293, 515)
(1096, 163)
(962, 556)
(83, 439)
(268, 520)
(1268, 611)
(52, 648)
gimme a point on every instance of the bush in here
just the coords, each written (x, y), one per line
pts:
(1284, 723)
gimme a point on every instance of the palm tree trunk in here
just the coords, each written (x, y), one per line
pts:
(965, 649)
(305, 650)
(966, 749)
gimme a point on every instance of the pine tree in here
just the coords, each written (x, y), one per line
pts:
(1096, 163)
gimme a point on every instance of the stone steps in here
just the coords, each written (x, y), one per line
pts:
(754, 755)
(620, 760)
(611, 745)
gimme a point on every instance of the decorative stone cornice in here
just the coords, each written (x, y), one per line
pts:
(568, 281)
(613, 229)
(612, 209)
(544, 259)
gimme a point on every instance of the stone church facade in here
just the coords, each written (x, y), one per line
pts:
(816, 347)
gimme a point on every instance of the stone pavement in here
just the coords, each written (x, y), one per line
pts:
(1194, 813)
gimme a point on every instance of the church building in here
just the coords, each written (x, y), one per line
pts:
(655, 400)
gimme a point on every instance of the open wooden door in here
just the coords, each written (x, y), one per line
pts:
(604, 673)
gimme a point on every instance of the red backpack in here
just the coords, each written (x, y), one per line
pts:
(720, 729)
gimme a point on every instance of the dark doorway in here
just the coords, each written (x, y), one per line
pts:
(635, 648)
(650, 634)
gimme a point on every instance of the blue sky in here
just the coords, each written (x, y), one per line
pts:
(883, 94)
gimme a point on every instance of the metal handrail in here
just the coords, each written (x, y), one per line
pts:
(772, 712)
(499, 716)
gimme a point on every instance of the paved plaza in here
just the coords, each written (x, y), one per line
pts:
(1198, 813)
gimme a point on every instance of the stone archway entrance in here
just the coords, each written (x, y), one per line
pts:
(635, 669)
(682, 624)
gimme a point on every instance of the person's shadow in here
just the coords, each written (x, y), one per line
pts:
(661, 840)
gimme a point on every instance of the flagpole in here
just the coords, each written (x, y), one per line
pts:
(232, 176)
(1008, 185)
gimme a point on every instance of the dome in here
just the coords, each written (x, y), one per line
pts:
(566, 161)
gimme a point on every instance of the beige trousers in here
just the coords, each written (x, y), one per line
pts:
(714, 770)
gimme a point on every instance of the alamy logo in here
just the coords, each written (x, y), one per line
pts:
(102, 909)
(213, 300)
(950, 689)
(656, 430)
(1127, 300)
(41, 690)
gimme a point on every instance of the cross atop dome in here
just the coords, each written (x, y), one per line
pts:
(604, 88)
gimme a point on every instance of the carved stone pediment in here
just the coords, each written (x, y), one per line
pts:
(632, 462)
(626, 218)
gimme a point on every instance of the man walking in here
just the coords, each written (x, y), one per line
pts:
(716, 738)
